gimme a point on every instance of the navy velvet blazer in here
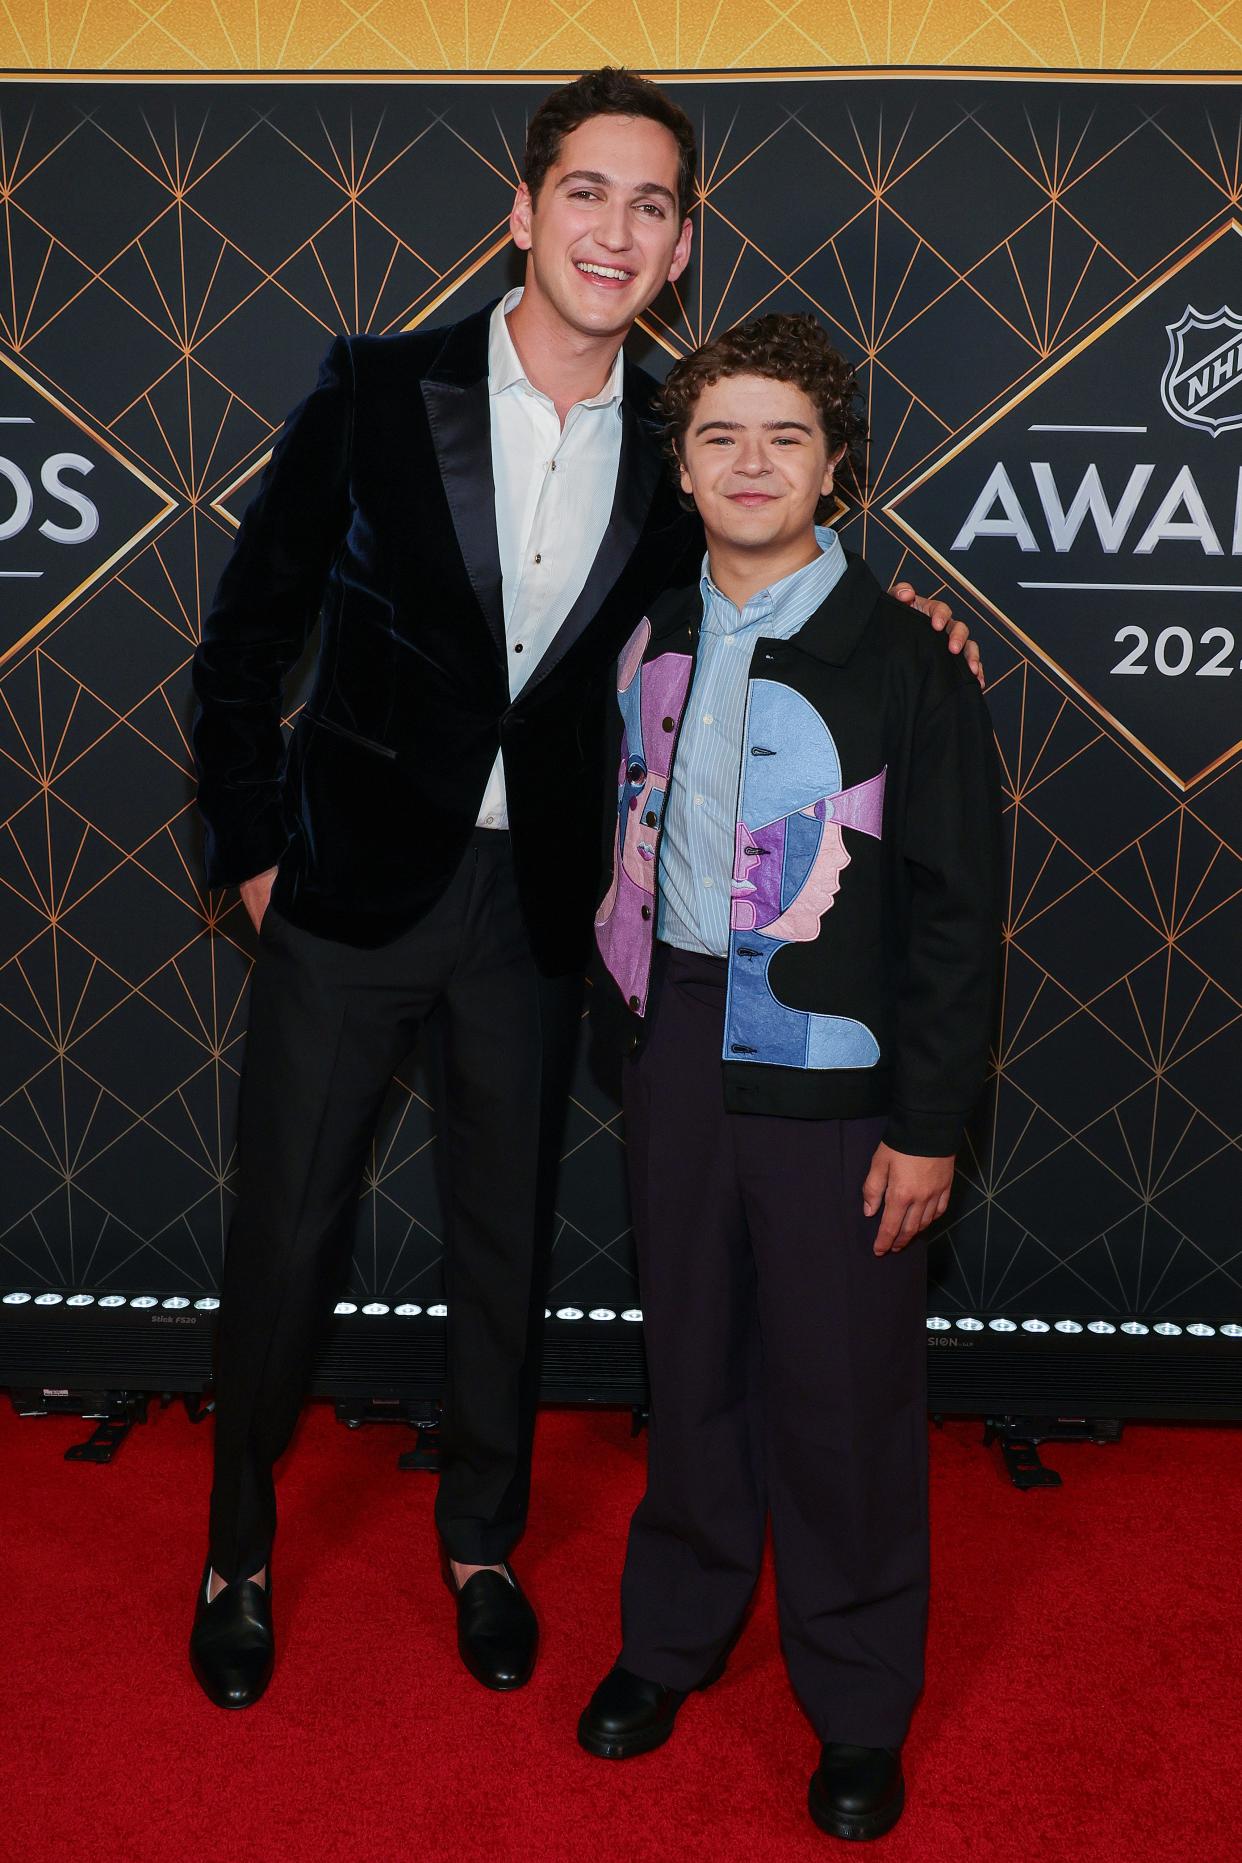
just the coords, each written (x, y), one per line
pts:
(378, 509)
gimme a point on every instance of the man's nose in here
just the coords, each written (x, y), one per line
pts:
(614, 230)
(750, 460)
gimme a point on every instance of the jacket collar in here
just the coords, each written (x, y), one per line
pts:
(838, 624)
(830, 634)
(459, 416)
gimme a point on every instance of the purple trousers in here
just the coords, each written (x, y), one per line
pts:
(788, 1370)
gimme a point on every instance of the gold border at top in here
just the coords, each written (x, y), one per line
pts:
(772, 74)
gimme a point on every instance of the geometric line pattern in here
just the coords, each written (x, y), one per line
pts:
(671, 36)
(174, 260)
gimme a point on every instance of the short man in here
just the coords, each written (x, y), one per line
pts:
(480, 513)
(804, 916)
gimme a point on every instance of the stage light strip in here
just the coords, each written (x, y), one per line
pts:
(1034, 1327)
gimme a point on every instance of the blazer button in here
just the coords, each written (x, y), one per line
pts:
(646, 912)
(668, 724)
(650, 819)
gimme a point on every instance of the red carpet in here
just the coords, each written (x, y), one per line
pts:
(1082, 1704)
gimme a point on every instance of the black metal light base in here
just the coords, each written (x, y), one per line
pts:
(383, 1360)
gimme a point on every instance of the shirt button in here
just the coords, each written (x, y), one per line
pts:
(489, 821)
(518, 647)
(698, 802)
(538, 557)
(708, 719)
(708, 881)
(551, 465)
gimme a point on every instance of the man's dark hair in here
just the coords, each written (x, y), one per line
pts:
(610, 91)
(783, 348)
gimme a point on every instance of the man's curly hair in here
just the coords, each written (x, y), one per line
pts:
(784, 348)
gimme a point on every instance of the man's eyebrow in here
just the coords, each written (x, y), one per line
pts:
(769, 426)
(610, 181)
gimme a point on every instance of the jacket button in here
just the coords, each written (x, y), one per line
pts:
(646, 912)
(668, 724)
(633, 802)
(636, 773)
(650, 819)
(633, 1002)
(634, 1044)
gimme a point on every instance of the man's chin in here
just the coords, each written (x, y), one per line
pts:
(603, 313)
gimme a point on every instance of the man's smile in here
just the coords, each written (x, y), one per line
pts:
(605, 275)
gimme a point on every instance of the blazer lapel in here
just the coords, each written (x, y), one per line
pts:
(638, 473)
(459, 415)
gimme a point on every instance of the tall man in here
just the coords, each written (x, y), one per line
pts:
(480, 512)
(805, 917)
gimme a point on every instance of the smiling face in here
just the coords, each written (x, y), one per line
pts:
(605, 234)
(755, 459)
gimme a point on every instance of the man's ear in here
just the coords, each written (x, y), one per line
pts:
(681, 251)
(683, 477)
(834, 460)
(520, 216)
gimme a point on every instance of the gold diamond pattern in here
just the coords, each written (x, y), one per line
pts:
(130, 1032)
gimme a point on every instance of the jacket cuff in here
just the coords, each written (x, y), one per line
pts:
(228, 860)
(924, 1135)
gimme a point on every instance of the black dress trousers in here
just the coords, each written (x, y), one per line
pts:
(788, 1371)
(329, 1025)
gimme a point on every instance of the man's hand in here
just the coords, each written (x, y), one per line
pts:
(255, 894)
(941, 616)
(914, 1192)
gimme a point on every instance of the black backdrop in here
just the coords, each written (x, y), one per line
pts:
(174, 259)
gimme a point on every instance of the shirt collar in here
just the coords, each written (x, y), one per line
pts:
(772, 604)
(504, 365)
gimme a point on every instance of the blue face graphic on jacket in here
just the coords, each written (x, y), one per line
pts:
(791, 854)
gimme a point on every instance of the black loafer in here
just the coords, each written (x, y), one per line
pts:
(232, 1649)
(857, 1792)
(497, 1631)
(628, 1715)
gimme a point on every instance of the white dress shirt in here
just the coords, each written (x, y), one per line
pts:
(554, 492)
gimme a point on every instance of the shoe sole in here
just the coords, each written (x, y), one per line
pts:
(497, 1688)
(861, 1827)
(619, 1749)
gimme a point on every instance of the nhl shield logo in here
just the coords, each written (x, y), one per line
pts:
(1202, 381)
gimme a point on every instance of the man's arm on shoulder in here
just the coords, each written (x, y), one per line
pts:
(957, 633)
(265, 607)
(951, 844)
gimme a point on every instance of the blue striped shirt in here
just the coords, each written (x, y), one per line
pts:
(700, 813)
